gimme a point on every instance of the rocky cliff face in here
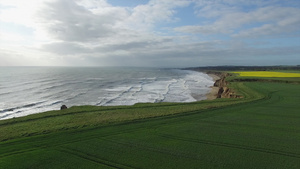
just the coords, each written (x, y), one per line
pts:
(224, 91)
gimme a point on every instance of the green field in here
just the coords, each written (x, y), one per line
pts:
(261, 130)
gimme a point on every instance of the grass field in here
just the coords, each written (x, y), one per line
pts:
(262, 130)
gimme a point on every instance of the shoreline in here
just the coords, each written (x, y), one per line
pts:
(212, 94)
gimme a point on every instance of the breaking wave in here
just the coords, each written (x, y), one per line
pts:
(52, 87)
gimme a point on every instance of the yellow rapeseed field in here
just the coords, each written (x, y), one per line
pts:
(267, 74)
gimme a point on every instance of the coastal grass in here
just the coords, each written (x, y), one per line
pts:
(92, 116)
(261, 130)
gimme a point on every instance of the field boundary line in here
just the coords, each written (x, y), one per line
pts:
(258, 149)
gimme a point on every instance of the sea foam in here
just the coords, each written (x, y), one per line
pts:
(25, 91)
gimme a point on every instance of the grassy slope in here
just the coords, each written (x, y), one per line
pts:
(261, 131)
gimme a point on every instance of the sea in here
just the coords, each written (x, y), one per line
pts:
(30, 90)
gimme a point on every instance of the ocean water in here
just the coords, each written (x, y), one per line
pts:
(29, 90)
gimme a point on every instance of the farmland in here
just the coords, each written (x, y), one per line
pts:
(267, 74)
(261, 130)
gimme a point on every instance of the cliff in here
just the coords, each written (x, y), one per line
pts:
(224, 91)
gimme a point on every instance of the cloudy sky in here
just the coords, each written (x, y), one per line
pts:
(153, 33)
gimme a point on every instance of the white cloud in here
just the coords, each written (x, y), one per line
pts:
(207, 29)
(66, 20)
(144, 17)
(20, 12)
(10, 38)
(24, 56)
(65, 48)
(262, 21)
(93, 32)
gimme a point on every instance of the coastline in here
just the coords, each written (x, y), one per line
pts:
(212, 94)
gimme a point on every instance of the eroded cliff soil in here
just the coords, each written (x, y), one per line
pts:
(222, 84)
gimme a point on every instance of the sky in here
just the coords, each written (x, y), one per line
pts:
(149, 33)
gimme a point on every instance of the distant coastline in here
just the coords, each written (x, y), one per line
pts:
(215, 73)
(244, 68)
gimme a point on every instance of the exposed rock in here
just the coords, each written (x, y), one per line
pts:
(221, 82)
(63, 107)
(224, 91)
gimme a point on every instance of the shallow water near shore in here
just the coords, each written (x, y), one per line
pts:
(29, 90)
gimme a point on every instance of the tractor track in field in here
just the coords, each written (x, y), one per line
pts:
(42, 145)
(174, 153)
(237, 146)
(17, 152)
(268, 97)
(93, 158)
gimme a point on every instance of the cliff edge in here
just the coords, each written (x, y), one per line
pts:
(224, 91)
